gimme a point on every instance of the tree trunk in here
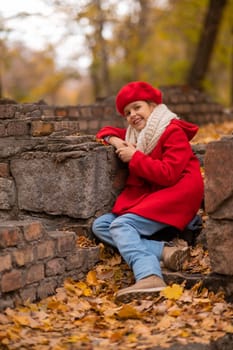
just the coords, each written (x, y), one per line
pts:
(206, 43)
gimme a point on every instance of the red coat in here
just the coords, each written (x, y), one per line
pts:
(166, 185)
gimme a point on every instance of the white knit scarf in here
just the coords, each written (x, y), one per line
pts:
(147, 138)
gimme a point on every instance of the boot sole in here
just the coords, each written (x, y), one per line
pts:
(128, 296)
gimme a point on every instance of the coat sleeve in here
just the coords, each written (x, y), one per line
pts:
(168, 169)
(109, 130)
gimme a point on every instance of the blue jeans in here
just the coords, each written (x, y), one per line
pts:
(128, 233)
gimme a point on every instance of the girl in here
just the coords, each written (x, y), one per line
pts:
(164, 187)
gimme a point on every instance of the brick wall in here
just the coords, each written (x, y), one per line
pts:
(34, 262)
(42, 120)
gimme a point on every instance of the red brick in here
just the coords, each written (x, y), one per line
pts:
(5, 262)
(48, 111)
(55, 267)
(2, 130)
(11, 281)
(45, 249)
(93, 124)
(46, 288)
(65, 241)
(4, 170)
(23, 256)
(17, 128)
(6, 302)
(77, 260)
(72, 126)
(83, 124)
(39, 128)
(33, 230)
(61, 112)
(28, 294)
(73, 112)
(85, 112)
(9, 235)
(35, 273)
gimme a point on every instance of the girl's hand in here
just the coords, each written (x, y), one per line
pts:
(126, 152)
(116, 142)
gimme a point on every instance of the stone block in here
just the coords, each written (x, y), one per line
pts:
(219, 235)
(218, 162)
(76, 187)
(7, 193)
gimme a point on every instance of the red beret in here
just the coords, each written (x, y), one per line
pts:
(137, 91)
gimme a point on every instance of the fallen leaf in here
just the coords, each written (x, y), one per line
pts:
(91, 278)
(172, 292)
(128, 311)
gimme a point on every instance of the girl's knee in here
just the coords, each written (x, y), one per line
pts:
(96, 226)
(116, 228)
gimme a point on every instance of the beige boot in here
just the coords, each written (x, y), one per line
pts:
(149, 286)
(174, 257)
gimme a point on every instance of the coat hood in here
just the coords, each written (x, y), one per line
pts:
(190, 129)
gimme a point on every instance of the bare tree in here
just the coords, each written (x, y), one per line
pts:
(206, 43)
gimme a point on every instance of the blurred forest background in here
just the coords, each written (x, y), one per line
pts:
(164, 42)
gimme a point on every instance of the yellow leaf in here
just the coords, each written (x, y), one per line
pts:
(208, 323)
(229, 328)
(21, 320)
(116, 336)
(173, 292)
(70, 287)
(184, 333)
(91, 278)
(115, 260)
(174, 312)
(128, 311)
(165, 322)
(57, 305)
(84, 288)
(75, 338)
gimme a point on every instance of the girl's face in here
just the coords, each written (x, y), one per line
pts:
(137, 113)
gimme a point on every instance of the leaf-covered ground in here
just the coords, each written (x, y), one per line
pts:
(213, 132)
(84, 315)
